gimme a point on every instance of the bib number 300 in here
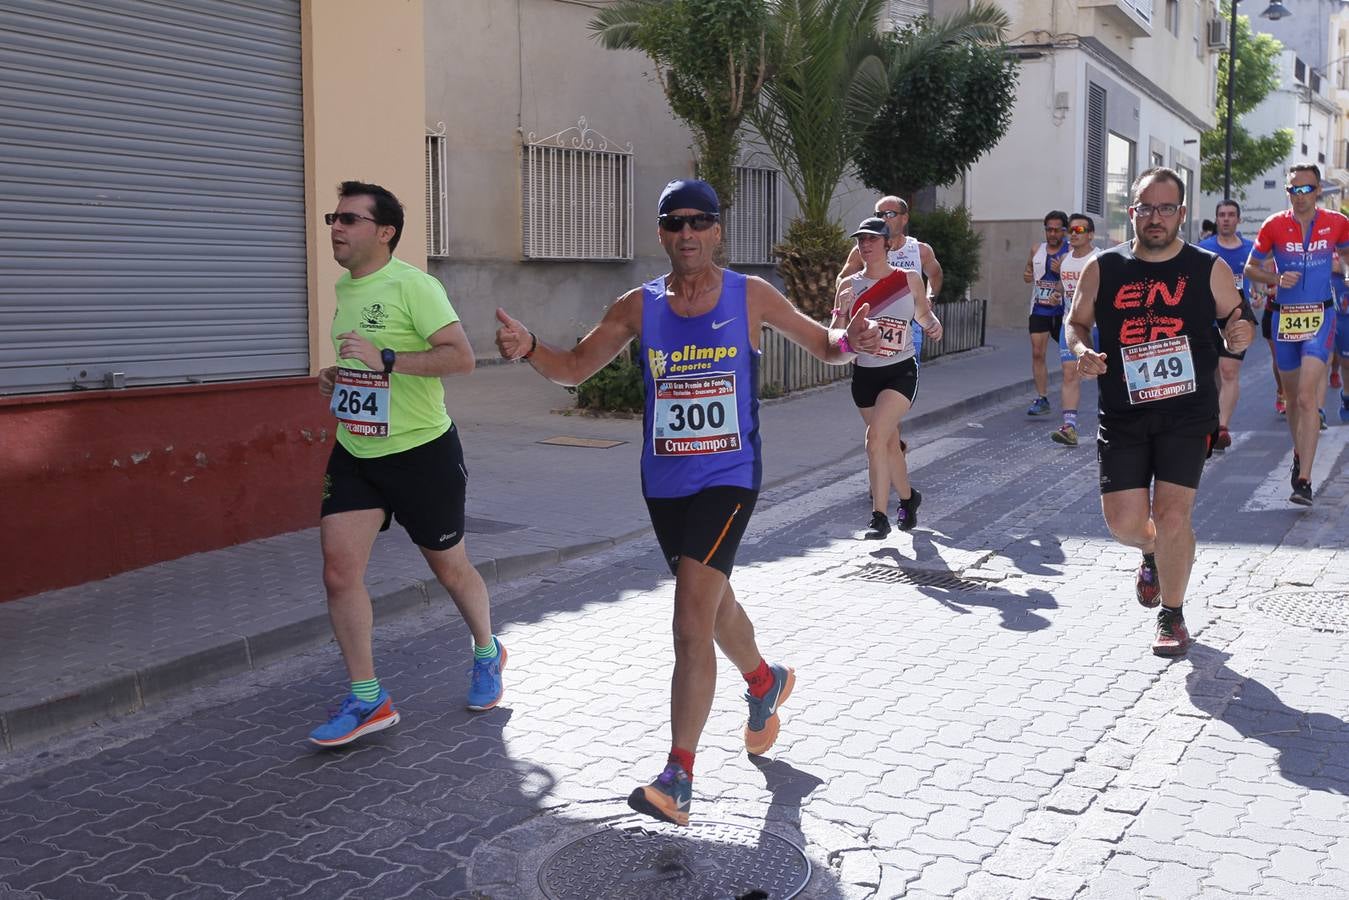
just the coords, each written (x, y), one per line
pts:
(361, 402)
(695, 416)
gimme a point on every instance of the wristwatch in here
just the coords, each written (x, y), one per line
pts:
(389, 357)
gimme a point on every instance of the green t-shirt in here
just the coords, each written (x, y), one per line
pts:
(399, 306)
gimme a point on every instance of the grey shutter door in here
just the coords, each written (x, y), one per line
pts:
(1094, 158)
(152, 192)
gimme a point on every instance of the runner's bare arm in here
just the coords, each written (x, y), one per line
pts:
(843, 300)
(1260, 270)
(449, 354)
(1080, 319)
(768, 306)
(1238, 330)
(922, 308)
(621, 323)
(851, 267)
(931, 269)
(1029, 274)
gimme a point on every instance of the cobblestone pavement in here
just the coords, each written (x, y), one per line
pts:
(989, 725)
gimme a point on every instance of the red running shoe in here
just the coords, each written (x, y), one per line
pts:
(1173, 638)
(1147, 586)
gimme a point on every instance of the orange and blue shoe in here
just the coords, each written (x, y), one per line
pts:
(761, 730)
(668, 798)
(484, 684)
(354, 719)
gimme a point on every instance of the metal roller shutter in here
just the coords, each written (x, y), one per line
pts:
(152, 176)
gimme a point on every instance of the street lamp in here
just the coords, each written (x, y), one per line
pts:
(1274, 12)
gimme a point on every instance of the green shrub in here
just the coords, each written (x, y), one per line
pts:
(615, 388)
(956, 245)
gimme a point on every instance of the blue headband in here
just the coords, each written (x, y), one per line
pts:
(688, 194)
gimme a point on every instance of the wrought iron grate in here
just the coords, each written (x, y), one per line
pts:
(887, 574)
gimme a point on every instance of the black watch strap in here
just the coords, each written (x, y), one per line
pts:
(389, 357)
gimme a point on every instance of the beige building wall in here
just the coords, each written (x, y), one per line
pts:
(364, 106)
(498, 71)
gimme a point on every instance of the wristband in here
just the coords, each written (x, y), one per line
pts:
(836, 311)
(844, 345)
(533, 345)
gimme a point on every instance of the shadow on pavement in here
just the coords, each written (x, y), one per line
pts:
(1018, 612)
(1308, 742)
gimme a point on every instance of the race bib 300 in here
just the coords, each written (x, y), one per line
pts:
(694, 416)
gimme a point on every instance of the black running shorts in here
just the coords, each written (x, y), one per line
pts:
(1134, 451)
(869, 381)
(1038, 324)
(424, 488)
(706, 526)
(1267, 323)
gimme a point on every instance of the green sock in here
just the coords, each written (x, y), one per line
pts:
(366, 691)
(488, 652)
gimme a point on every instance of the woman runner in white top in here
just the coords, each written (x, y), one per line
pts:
(886, 382)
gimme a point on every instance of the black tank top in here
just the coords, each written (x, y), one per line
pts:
(1150, 314)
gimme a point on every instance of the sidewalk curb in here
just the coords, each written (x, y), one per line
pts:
(118, 691)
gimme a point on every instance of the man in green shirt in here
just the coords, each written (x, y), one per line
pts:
(397, 453)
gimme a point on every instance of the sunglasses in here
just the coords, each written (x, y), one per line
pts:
(346, 218)
(1078, 229)
(888, 213)
(698, 222)
(1301, 188)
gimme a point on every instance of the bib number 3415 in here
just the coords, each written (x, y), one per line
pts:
(361, 402)
(1300, 321)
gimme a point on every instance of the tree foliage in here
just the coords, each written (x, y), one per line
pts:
(954, 241)
(1256, 74)
(943, 114)
(710, 59)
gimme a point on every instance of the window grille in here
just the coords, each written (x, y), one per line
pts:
(753, 224)
(437, 206)
(576, 196)
(904, 12)
(1095, 155)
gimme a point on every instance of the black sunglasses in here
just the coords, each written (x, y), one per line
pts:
(346, 218)
(699, 222)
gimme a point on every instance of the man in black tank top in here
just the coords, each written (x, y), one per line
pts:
(1155, 300)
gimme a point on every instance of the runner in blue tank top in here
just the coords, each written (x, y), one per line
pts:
(699, 332)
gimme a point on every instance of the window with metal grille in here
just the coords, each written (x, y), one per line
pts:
(902, 12)
(576, 196)
(753, 224)
(437, 207)
(1095, 155)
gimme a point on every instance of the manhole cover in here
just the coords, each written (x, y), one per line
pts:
(711, 860)
(899, 575)
(1318, 610)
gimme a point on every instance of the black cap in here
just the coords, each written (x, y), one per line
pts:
(872, 225)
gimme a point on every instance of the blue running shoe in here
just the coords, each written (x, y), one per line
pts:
(484, 686)
(762, 728)
(668, 798)
(354, 719)
(1344, 407)
(1039, 408)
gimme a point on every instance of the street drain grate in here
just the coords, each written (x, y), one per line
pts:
(924, 577)
(1318, 610)
(630, 860)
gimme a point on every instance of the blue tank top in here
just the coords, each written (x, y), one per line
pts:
(701, 420)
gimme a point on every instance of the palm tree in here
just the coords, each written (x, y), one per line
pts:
(709, 56)
(830, 74)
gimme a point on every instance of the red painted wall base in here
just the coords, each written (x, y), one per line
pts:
(99, 482)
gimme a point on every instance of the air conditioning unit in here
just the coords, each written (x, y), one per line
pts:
(1217, 33)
